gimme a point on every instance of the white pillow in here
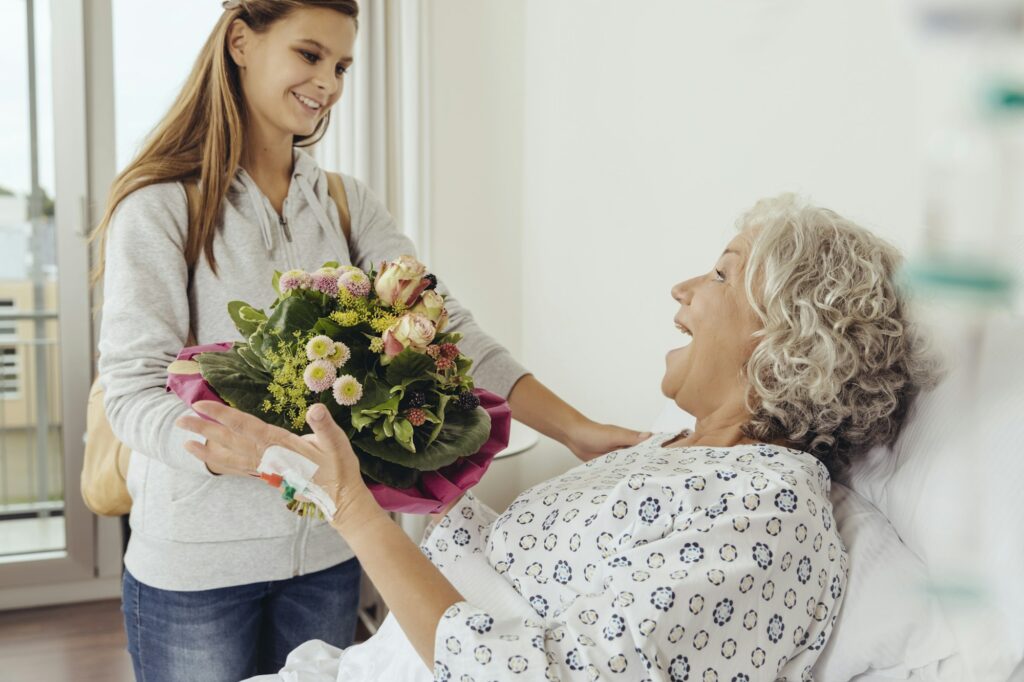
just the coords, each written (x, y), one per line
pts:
(951, 487)
(887, 623)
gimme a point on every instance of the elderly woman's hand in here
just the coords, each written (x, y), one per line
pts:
(236, 441)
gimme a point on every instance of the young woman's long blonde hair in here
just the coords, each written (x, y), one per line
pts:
(200, 139)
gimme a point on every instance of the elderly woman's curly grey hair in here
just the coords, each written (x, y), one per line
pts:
(838, 360)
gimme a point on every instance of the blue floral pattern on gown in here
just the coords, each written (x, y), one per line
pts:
(653, 563)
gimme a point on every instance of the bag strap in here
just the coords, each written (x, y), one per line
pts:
(192, 203)
(336, 188)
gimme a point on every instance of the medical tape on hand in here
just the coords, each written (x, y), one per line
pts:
(298, 471)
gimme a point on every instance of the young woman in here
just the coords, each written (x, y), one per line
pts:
(221, 581)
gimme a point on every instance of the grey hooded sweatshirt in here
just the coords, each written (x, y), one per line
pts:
(192, 530)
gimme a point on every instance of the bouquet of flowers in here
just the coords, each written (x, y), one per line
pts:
(373, 347)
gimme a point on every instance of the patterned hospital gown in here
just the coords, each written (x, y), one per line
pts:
(652, 563)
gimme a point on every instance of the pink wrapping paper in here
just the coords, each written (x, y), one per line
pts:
(436, 489)
(192, 388)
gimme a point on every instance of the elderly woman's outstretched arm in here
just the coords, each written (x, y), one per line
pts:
(412, 587)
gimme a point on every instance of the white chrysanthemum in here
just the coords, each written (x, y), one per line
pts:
(347, 390)
(319, 347)
(340, 355)
(319, 376)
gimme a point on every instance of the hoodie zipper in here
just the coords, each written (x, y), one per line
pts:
(292, 262)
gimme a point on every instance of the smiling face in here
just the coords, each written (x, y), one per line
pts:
(292, 74)
(707, 374)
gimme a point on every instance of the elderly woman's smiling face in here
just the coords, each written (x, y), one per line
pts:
(707, 375)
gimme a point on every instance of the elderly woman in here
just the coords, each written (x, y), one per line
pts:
(710, 554)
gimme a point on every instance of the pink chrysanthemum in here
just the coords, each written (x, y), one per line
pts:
(319, 376)
(347, 390)
(356, 283)
(294, 279)
(326, 284)
(339, 354)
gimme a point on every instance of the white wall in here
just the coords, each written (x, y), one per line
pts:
(651, 126)
(477, 80)
(476, 115)
(646, 129)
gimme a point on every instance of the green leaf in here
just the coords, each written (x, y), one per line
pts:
(294, 314)
(387, 473)
(246, 318)
(442, 405)
(404, 433)
(448, 337)
(260, 341)
(327, 327)
(277, 279)
(237, 382)
(375, 393)
(408, 366)
(253, 360)
(250, 314)
(463, 434)
(388, 408)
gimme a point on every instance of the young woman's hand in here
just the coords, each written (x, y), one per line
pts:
(236, 441)
(589, 439)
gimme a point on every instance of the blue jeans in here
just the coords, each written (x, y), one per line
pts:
(231, 633)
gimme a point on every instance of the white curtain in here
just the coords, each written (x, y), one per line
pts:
(378, 130)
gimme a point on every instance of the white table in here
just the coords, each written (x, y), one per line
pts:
(520, 439)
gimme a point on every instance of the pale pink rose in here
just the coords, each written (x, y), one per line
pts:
(412, 330)
(431, 306)
(401, 281)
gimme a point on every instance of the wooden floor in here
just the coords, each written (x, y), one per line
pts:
(81, 642)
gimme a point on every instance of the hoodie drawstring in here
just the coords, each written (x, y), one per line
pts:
(319, 211)
(263, 211)
(259, 209)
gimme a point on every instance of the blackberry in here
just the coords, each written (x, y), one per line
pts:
(467, 401)
(415, 416)
(433, 281)
(415, 399)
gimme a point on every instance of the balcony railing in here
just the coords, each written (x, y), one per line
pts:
(31, 453)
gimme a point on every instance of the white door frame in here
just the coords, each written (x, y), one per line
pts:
(89, 566)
